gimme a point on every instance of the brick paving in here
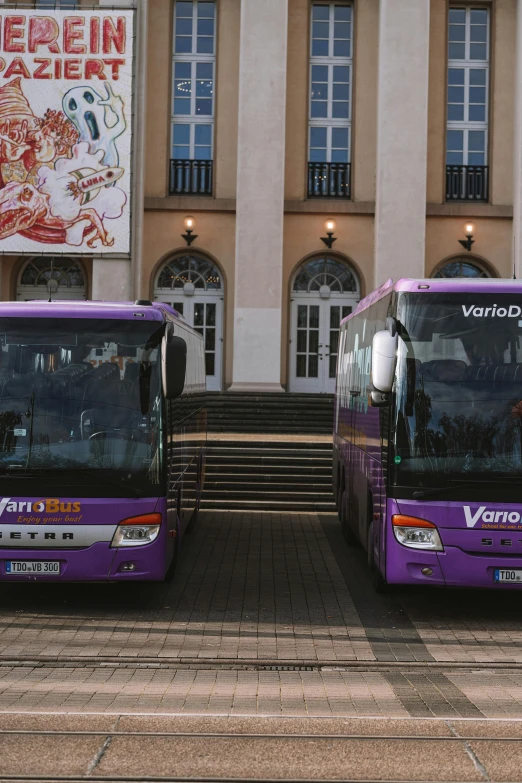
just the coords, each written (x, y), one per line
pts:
(267, 588)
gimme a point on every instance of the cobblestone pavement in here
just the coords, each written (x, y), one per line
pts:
(268, 614)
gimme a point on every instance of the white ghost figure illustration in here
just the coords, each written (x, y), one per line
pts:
(98, 120)
(66, 200)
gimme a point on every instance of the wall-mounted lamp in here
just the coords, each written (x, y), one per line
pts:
(467, 243)
(189, 224)
(329, 239)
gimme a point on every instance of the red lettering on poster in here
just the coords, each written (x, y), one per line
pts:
(94, 68)
(71, 33)
(41, 72)
(114, 35)
(43, 31)
(13, 30)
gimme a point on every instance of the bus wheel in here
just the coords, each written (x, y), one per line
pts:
(348, 534)
(379, 583)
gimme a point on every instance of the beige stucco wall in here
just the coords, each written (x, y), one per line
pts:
(297, 100)
(502, 92)
(364, 97)
(492, 242)
(216, 236)
(159, 67)
(437, 102)
(227, 90)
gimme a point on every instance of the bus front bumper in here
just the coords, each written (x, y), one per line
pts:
(451, 568)
(97, 563)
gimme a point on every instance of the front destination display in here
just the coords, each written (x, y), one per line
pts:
(427, 466)
(102, 439)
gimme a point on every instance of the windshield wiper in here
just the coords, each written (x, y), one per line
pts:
(32, 472)
(456, 484)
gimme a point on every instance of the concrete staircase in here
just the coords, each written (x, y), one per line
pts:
(269, 452)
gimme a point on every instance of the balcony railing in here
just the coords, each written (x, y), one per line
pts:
(191, 177)
(467, 183)
(328, 180)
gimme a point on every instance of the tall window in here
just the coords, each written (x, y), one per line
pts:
(193, 87)
(467, 110)
(330, 99)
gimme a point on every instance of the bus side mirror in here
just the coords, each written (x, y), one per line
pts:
(173, 366)
(384, 358)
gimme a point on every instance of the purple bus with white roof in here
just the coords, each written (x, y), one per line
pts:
(427, 467)
(102, 439)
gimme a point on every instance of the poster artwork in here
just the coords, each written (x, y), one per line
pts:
(65, 131)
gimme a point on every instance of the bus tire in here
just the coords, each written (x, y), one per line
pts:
(348, 534)
(379, 583)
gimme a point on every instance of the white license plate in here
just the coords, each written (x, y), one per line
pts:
(508, 575)
(32, 566)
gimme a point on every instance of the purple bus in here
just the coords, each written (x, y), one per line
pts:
(102, 439)
(427, 466)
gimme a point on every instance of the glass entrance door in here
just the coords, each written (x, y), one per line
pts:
(205, 314)
(314, 343)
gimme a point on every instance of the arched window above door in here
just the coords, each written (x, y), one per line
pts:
(325, 270)
(462, 266)
(191, 268)
(193, 284)
(63, 277)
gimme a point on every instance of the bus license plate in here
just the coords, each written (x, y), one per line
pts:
(508, 574)
(32, 567)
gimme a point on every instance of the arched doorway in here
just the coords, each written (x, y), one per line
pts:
(193, 285)
(325, 289)
(62, 278)
(463, 266)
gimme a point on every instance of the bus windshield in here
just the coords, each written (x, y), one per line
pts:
(458, 394)
(80, 401)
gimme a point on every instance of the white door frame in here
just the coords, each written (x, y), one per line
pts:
(214, 382)
(323, 384)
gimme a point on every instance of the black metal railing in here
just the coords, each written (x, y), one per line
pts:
(191, 177)
(467, 183)
(328, 180)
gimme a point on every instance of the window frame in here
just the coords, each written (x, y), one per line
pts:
(194, 59)
(331, 61)
(468, 65)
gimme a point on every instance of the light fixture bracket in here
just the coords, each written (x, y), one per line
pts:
(468, 242)
(189, 237)
(329, 239)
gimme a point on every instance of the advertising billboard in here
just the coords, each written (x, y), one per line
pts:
(66, 82)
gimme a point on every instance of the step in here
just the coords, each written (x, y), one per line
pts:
(313, 471)
(267, 505)
(268, 478)
(239, 494)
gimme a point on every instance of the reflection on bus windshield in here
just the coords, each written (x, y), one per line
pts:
(459, 388)
(80, 394)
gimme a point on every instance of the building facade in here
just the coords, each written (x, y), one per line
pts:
(292, 155)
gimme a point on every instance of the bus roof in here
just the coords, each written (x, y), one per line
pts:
(442, 285)
(155, 311)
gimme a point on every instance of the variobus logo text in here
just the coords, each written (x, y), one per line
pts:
(44, 506)
(489, 517)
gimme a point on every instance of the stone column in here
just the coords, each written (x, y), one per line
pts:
(260, 196)
(402, 132)
(111, 279)
(517, 153)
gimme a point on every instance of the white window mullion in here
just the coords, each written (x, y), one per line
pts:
(201, 124)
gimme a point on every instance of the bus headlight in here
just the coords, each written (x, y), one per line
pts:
(416, 533)
(137, 531)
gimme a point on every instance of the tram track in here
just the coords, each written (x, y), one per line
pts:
(236, 748)
(253, 664)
